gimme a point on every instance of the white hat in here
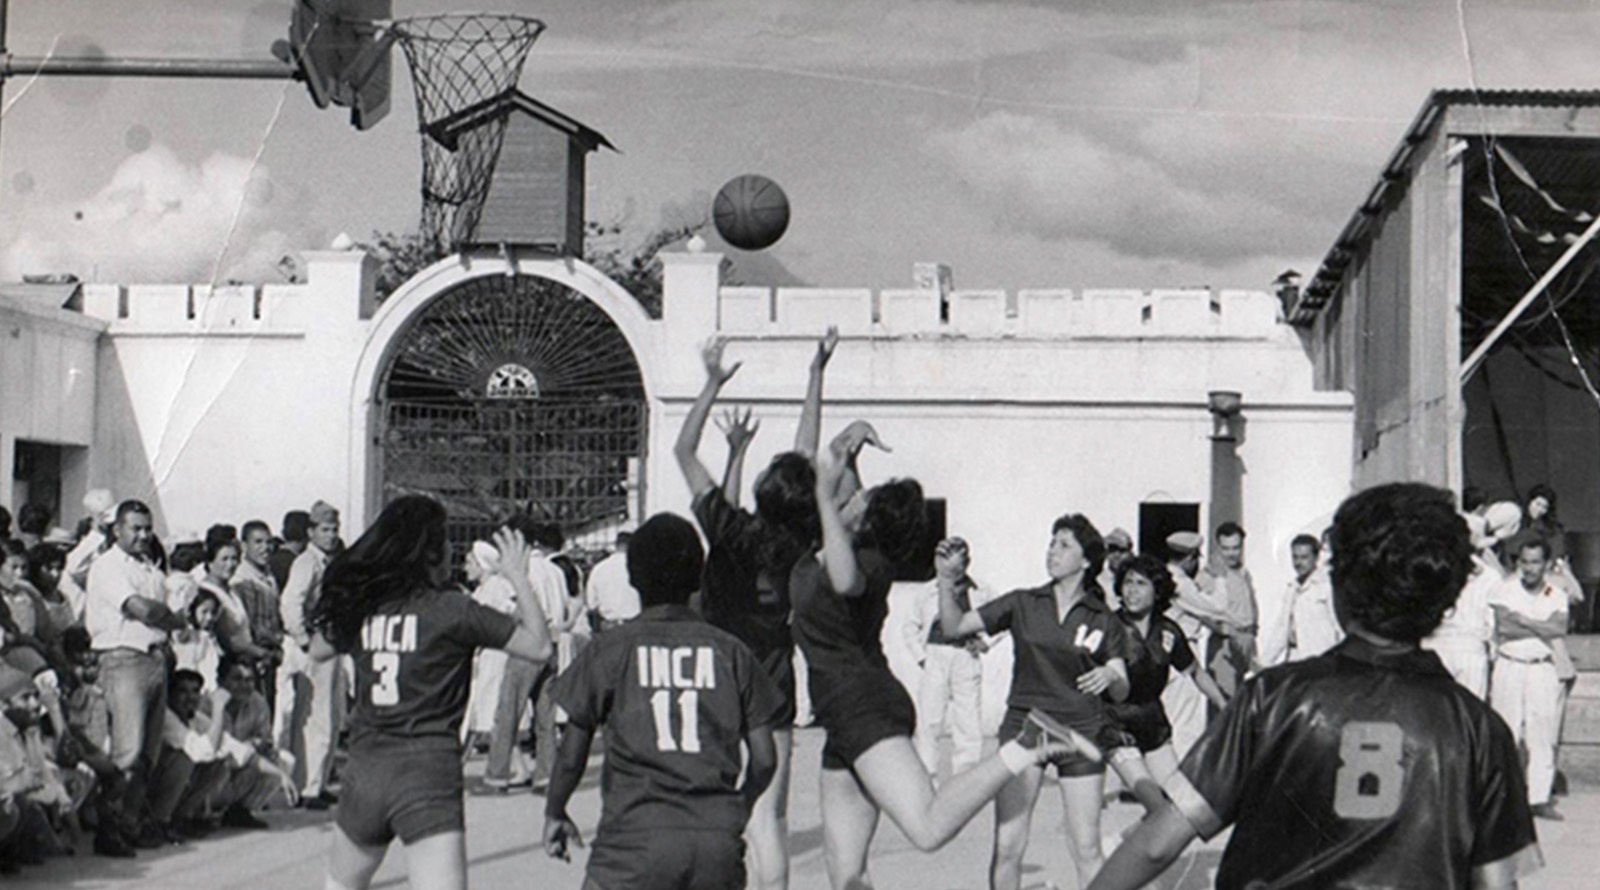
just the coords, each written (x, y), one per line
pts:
(1502, 520)
(486, 556)
(102, 503)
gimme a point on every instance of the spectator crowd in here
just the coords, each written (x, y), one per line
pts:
(157, 690)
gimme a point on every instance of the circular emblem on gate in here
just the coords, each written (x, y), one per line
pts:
(512, 381)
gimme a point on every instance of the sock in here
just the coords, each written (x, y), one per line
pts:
(1016, 758)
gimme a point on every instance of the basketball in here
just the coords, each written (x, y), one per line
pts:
(751, 212)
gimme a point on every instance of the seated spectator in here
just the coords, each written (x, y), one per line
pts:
(202, 768)
(18, 595)
(23, 818)
(87, 741)
(195, 648)
(247, 718)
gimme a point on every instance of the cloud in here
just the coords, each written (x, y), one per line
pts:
(1058, 183)
(160, 218)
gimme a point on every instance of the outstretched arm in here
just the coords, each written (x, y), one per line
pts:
(739, 429)
(846, 447)
(1208, 685)
(688, 445)
(809, 434)
(763, 764)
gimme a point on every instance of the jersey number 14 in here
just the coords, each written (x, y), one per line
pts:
(1371, 775)
(688, 738)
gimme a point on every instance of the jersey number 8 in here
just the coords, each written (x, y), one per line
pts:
(1371, 775)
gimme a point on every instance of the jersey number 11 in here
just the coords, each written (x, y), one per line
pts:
(688, 716)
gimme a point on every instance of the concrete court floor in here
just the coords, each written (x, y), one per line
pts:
(503, 849)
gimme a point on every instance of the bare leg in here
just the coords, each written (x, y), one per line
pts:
(849, 819)
(894, 777)
(768, 829)
(351, 865)
(1013, 819)
(1080, 798)
(438, 862)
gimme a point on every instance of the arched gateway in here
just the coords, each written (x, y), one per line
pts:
(496, 388)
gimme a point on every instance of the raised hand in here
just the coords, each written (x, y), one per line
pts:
(853, 437)
(514, 552)
(825, 346)
(740, 428)
(711, 356)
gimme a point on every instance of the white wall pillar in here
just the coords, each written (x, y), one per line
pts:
(691, 285)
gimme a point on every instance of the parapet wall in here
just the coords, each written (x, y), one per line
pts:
(1189, 313)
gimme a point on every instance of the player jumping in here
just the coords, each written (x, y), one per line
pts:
(1367, 766)
(869, 763)
(386, 602)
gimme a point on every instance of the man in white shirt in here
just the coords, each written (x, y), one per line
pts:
(1529, 612)
(525, 679)
(128, 621)
(308, 691)
(1305, 624)
(951, 687)
(75, 572)
(1196, 611)
(610, 598)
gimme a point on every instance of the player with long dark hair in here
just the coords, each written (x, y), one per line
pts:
(386, 601)
(746, 584)
(869, 764)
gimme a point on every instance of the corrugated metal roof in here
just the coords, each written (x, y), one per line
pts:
(1397, 175)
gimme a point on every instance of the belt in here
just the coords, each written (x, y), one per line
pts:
(152, 649)
(1543, 659)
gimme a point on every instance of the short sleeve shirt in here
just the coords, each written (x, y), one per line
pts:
(737, 595)
(1363, 767)
(413, 663)
(677, 697)
(842, 636)
(1052, 653)
(1166, 648)
(1542, 605)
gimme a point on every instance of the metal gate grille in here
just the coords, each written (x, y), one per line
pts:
(518, 393)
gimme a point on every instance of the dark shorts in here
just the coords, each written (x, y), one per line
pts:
(667, 860)
(411, 794)
(862, 711)
(1097, 728)
(779, 664)
(1145, 723)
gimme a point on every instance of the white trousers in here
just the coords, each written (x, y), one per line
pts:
(1185, 705)
(1528, 696)
(306, 723)
(950, 691)
(1467, 661)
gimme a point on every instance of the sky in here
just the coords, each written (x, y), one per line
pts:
(1099, 143)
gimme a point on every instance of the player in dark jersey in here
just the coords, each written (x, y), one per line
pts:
(678, 697)
(1072, 654)
(868, 761)
(1146, 589)
(1367, 766)
(746, 589)
(386, 602)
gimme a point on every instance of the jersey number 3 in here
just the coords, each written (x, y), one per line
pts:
(688, 717)
(386, 690)
(1371, 775)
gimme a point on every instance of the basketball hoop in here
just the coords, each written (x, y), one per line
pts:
(458, 63)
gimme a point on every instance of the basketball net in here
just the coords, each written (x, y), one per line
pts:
(459, 61)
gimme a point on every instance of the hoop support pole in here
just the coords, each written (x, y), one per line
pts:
(100, 66)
